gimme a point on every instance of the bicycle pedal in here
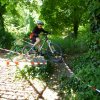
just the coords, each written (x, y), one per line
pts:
(42, 54)
(30, 53)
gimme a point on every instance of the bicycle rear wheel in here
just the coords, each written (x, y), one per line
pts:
(14, 51)
(29, 52)
(54, 52)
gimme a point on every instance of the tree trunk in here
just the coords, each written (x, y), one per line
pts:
(75, 27)
(2, 11)
(76, 20)
(2, 29)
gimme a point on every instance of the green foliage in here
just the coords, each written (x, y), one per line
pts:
(94, 10)
(40, 71)
(16, 17)
(87, 69)
(6, 40)
(62, 14)
(70, 45)
(67, 44)
(94, 41)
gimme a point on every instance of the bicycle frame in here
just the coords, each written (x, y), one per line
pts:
(46, 40)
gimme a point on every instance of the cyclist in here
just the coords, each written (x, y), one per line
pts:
(34, 36)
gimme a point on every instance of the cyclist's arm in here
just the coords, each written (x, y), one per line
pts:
(44, 31)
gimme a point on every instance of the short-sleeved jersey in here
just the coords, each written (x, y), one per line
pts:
(37, 30)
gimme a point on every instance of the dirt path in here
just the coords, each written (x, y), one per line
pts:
(10, 89)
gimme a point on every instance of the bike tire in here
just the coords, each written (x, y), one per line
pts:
(57, 55)
(28, 52)
(14, 51)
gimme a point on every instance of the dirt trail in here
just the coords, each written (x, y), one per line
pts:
(11, 89)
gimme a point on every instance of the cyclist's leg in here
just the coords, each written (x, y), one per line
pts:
(37, 41)
(33, 40)
(37, 44)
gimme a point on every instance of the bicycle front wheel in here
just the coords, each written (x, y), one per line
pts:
(29, 52)
(54, 52)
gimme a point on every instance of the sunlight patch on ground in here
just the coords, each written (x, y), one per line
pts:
(50, 94)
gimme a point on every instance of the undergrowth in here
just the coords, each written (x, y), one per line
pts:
(87, 72)
(41, 72)
(86, 67)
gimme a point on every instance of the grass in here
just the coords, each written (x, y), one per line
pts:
(70, 45)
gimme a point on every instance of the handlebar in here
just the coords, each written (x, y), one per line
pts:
(47, 33)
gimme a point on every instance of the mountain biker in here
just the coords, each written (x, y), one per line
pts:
(34, 36)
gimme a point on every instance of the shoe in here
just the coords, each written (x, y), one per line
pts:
(33, 51)
(42, 54)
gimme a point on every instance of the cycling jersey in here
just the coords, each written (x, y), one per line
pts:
(36, 31)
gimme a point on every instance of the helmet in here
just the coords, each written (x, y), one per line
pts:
(40, 22)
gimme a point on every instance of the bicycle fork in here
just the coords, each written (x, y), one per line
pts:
(51, 49)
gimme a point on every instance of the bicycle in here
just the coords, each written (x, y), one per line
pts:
(48, 49)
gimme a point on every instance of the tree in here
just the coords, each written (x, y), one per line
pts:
(14, 12)
(2, 11)
(61, 14)
(11, 7)
(94, 10)
(95, 16)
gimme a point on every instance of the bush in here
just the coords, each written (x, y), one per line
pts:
(6, 40)
(40, 71)
(70, 45)
(87, 68)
